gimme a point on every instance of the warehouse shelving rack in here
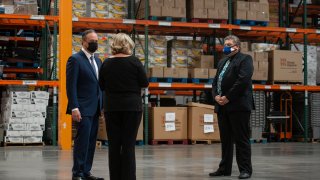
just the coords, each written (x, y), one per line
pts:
(67, 24)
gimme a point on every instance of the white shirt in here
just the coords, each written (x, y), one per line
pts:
(94, 62)
(95, 65)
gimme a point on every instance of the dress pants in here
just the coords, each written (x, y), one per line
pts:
(122, 129)
(234, 128)
(85, 145)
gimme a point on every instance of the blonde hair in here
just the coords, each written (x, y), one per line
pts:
(122, 43)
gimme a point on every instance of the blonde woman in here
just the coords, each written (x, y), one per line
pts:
(121, 77)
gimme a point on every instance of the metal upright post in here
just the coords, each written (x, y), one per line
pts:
(146, 92)
(280, 19)
(54, 77)
(230, 18)
(287, 24)
(305, 70)
(44, 41)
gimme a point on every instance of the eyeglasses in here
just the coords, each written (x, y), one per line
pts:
(229, 45)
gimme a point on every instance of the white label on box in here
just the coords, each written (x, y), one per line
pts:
(28, 82)
(29, 39)
(291, 30)
(3, 38)
(39, 101)
(34, 127)
(37, 17)
(13, 139)
(164, 23)
(19, 114)
(40, 94)
(20, 94)
(38, 114)
(20, 101)
(171, 116)
(208, 128)
(170, 126)
(318, 31)
(164, 84)
(129, 21)
(208, 118)
(245, 28)
(214, 26)
(267, 87)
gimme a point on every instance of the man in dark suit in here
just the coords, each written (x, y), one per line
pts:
(232, 92)
(84, 103)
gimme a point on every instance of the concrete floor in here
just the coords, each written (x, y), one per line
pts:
(272, 161)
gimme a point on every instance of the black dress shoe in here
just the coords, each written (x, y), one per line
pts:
(244, 175)
(91, 177)
(218, 173)
(78, 178)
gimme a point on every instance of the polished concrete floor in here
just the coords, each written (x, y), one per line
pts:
(272, 161)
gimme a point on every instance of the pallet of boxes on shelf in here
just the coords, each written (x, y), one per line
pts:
(19, 7)
(116, 9)
(208, 11)
(23, 115)
(251, 13)
(168, 10)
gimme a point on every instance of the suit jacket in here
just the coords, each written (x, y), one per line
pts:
(236, 84)
(83, 88)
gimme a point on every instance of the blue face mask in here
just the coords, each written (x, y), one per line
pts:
(227, 50)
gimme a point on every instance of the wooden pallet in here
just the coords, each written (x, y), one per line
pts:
(4, 144)
(263, 141)
(168, 80)
(168, 141)
(198, 81)
(201, 20)
(203, 141)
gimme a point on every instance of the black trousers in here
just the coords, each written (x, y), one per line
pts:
(122, 129)
(234, 128)
(85, 145)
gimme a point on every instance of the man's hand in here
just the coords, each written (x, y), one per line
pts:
(224, 100)
(218, 99)
(76, 115)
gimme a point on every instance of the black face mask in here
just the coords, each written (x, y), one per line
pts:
(93, 46)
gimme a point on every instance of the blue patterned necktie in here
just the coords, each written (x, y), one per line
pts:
(221, 77)
(93, 66)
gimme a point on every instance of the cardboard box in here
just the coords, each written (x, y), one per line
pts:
(15, 127)
(244, 46)
(255, 66)
(199, 13)
(154, 3)
(254, 6)
(33, 127)
(199, 73)
(13, 139)
(223, 14)
(263, 16)
(183, 72)
(212, 73)
(285, 66)
(263, 66)
(168, 3)
(20, 94)
(168, 123)
(43, 102)
(102, 131)
(202, 123)
(167, 72)
(260, 75)
(206, 61)
(213, 13)
(156, 72)
(241, 5)
(32, 139)
(140, 130)
(209, 4)
(221, 4)
(264, 7)
(40, 94)
(179, 12)
(180, 3)
(154, 11)
(26, 8)
(167, 11)
(175, 72)
(240, 14)
(197, 4)
(252, 15)
(261, 56)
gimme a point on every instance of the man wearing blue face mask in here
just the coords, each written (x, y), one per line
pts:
(232, 92)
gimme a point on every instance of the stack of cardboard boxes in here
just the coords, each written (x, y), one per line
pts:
(203, 68)
(208, 9)
(23, 116)
(252, 10)
(19, 7)
(115, 9)
(196, 122)
(163, 8)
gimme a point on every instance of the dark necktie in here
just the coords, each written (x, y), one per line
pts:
(93, 66)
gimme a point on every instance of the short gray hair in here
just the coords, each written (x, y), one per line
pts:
(234, 38)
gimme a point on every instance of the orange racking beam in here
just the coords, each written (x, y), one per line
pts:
(22, 70)
(65, 49)
(29, 82)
